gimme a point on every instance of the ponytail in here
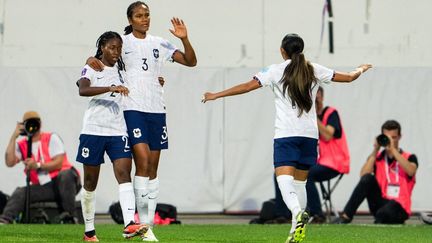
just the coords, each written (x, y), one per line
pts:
(297, 81)
(298, 76)
(128, 29)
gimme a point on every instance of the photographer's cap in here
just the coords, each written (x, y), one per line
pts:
(30, 115)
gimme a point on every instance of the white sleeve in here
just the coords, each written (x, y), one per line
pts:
(87, 73)
(56, 146)
(168, 49)
(324, 74)
(265, 76)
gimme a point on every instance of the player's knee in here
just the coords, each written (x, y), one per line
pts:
(90, 183)
(123, 176)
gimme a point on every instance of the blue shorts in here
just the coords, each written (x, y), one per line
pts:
(148, 128)
(299, 152)
(92, 148)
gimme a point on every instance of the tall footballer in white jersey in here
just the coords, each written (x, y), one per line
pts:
(104, 130)
(144, 56)
(144, 59)
(295, 84)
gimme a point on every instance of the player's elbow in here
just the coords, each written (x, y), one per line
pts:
(192, 63)
(10, 164)
(83, 92)
(352, 78)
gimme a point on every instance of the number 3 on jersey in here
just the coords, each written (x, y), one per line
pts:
(164, 133)
(145, 65)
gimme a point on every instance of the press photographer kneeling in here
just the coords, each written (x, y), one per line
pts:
(387, 180)
(52, 178)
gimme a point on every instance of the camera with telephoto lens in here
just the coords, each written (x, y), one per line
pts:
(31, 126)
(383, 140)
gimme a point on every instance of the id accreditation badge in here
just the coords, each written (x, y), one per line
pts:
(393, 190)
(43, 177)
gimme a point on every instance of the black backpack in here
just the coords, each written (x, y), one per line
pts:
(3, 200)
(164, 211)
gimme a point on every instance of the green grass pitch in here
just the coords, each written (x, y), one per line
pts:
(222, 233)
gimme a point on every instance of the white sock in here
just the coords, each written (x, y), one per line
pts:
(88, 201)
(289, 196)
(141, 197)
(127, 202)
(300, 187)
(152, 199)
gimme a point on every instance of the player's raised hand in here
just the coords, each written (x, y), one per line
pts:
(365, 67)
(179, 28)
(208, 96)
(120, 89)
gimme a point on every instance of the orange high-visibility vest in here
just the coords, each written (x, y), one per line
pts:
(402, 179)
(334, 153)
(45, 156)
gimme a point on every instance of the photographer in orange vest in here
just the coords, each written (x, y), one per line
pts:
(333, 156)
(52, 177)
(387, 180)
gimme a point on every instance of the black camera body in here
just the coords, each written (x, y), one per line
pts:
(383, 140)
(31, 126)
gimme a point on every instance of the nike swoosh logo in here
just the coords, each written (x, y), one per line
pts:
(126, 150)
(99, 77)
(144, 195)
(162, 142)
(130, 209)
(127, 52)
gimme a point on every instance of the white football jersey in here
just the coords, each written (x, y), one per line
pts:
(287, 122)
(144, 59)
(104, 116)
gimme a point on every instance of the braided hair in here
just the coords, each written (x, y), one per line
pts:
(103, 39)
(129, 12)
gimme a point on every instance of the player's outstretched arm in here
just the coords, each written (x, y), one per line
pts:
(235, 90)
(188, 58)
(344, 77)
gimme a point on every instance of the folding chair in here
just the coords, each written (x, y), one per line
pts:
(326, 192)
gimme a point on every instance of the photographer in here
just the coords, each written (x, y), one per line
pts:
(333, 159)
(52, 177)
(387, 180)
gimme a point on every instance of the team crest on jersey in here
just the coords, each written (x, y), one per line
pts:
(137, 133)
(156, 53)
(84, 71)
(85, 152)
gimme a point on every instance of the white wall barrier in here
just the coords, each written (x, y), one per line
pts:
(220, 155)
